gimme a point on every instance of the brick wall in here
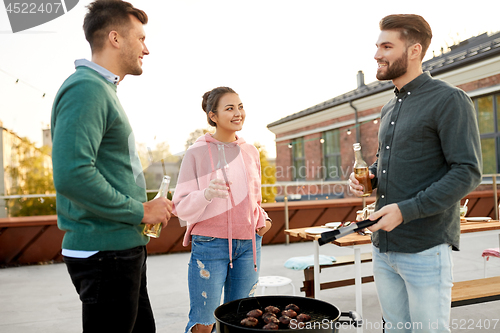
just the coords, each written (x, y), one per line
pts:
(483, 83)
(314, 156)
(283, 161)
(314, 150)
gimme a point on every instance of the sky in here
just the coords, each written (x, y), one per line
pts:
(281, 56)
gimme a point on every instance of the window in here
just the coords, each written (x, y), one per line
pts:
(488, 116)
(298, 159)
(331, 155)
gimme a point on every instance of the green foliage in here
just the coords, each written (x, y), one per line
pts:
(268, 175)
(155, 162)
(148, 155)
(32, 174)
(193, 136)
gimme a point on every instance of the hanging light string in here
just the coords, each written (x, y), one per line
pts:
(17, 81)
(322, 140)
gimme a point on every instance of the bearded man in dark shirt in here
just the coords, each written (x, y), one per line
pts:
(429, 157)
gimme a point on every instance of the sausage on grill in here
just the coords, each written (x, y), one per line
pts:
(303, 317)
(292, 307)
(249, 322)
(255, 313)
(272, 309)
(271, 326)
(289, 313)
(285, 320)
(271, 318)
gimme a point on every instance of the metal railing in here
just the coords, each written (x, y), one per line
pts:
(285, 186)
(495, 194)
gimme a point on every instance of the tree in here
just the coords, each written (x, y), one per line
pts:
(268, 175)
(156, 162)
(149, 155)
(195, 135)
(31, 173)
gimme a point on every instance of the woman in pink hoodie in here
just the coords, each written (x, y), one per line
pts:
(218, 194)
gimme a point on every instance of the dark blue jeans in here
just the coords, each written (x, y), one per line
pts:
(112, 288)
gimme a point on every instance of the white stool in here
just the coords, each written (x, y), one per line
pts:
(495, 252)
(490, 253)
(274, 281)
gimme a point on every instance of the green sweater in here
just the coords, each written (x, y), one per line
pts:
(97, 174)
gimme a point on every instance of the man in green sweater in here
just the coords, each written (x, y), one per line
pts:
(101, 196)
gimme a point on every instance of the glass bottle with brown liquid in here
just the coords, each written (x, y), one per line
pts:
(361, 171)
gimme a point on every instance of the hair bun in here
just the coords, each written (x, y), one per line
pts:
(204, 102)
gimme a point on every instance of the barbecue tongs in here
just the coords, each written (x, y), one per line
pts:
(330, 236)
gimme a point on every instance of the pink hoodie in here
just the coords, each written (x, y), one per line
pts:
(237, 217)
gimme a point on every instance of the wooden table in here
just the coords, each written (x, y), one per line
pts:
(355, 241)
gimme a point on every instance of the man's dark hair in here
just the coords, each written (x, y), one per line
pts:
(108, 15)
(412, 28)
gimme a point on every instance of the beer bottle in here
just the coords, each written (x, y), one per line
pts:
(153, 230)
(361, 171)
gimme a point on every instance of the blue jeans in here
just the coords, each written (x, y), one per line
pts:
(414, 289)
(209, 272)
(112, 288)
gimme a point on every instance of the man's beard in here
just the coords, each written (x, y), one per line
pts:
(130, 62)
(395, 70)
(132, 66)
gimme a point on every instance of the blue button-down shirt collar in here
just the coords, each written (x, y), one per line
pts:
(99, 69)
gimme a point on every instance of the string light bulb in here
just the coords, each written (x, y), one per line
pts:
(349, 131)
(18, 81)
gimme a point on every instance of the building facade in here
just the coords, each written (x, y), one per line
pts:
(10, 157)
(315, 144)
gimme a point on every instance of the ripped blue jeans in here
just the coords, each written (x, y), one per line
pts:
(209, 273)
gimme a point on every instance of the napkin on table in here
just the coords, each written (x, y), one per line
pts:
(301, 263)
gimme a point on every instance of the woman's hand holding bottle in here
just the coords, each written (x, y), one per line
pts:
(216, 189)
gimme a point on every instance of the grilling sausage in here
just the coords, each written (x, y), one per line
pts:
(290, 313)
(271, 326)
(255, 313)
(285, 320)
(292, 307)
(270, 318)
(249, 322)
(268, 314)
(303, 317)
(272, 309)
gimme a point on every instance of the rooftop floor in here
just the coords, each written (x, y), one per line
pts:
(41, 298)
